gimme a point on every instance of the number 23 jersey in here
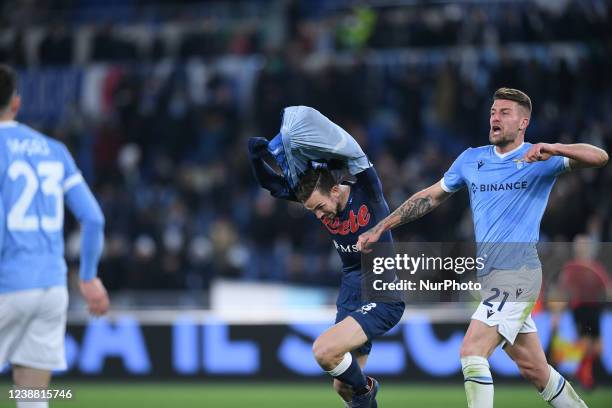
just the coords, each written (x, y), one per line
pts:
(35, 174)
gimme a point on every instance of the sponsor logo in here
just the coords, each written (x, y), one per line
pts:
(490, 313)
(350, 225)
(480, 164)
(345, 248)
(517, 185)
(518, 292)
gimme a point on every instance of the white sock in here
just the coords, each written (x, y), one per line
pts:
(342, 366)
(559, 392)
(478, 382)
(32, 404)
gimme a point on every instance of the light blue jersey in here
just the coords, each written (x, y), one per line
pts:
(36, 174)
(508, 197)
(307, 135)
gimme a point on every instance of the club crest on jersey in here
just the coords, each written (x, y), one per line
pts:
(352, 224)
(519, 163)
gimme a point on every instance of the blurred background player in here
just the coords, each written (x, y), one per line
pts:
(586, 283)
(504, 216)
(304, 151)
(37, 174)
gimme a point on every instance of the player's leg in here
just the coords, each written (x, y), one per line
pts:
(27, 377)
(529, 356)
(41, 348)
(478, 344)
(584, 372)
(587, 318)
(332, 350)
(31, 378)
(344, 390)
(352, 336)
(15, 313)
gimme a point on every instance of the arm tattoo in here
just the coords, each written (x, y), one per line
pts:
(413, 209)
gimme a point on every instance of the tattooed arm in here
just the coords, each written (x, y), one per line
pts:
(414, 208)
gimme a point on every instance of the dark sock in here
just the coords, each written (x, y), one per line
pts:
(354, 377)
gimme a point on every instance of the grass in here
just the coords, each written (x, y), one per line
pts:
(267, 395)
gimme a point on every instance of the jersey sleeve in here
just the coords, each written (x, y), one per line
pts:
(453, 179)
(86, 210)
(555, 166)
(83, 205)
(266, 176)
(72, 174)
(315, 137)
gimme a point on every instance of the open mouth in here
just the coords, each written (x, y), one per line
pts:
(496, 129)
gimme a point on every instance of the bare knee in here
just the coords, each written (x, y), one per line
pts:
(27, 377)
(480, 340)
(344, 390)
(327, 354)
(469, 348)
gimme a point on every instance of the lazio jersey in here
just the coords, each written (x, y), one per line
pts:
(508, 197)
(35, 173)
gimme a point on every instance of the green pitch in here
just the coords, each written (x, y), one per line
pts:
(265, 395)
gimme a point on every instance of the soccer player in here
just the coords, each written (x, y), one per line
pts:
(307, 149)
(37, 174)
(509, 183)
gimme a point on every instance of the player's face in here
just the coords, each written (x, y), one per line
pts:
(324, 206)
(507, 120)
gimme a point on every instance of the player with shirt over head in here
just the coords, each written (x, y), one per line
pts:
(37, 174)
(307, 149)
(509, 183)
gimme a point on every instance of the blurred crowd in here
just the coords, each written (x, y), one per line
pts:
(85, 31)
(167, 157)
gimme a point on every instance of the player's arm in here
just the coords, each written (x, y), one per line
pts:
(316, 137)
(86, 210)
(265, 175)
(580, 155)
(412, 209)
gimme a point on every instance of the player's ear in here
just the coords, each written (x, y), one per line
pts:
(524, 123)
(335, 190)
(15, 103)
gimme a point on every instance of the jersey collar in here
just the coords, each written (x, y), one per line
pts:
(504, 155)
(8, 123)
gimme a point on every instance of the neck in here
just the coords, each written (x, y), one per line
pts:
(345, 191)
(501, 149)
(7, 116)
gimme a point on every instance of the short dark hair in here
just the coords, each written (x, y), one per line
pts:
(515, 95)
(8, 85)
(315, 179)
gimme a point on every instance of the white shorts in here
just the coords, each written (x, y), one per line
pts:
(514, 318)
(32, 328)
(511, 313)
